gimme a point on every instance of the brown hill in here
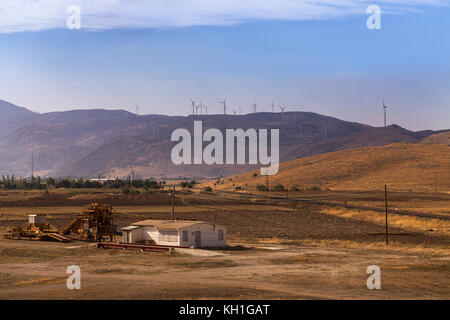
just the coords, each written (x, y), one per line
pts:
(301, 134)
(150, 156)
(86, 143)
(13, 117)
(91, 142)
(364, 138)
(440, 138)
(401, 166)
(58, 137)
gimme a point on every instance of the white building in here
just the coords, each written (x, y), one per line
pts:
(198, 234)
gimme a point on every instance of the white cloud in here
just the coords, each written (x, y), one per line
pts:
(37, 15)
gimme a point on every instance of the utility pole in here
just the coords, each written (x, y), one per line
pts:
(386, 208)
(32, 167)
(173, 203)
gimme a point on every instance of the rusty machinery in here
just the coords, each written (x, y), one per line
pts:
(36, 229)
(94, 223)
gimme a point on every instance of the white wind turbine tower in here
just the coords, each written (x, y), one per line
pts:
(201, 107)
(384, 110)
(224, 102)
(240, 109)
(282, 108)
(234, 111)
(137, 110)
(254, 106)
(206, 109)
(193, 106)
(272, 106)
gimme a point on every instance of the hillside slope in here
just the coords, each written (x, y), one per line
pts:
(13, 117)
(301, 134)
(86, 143)
(440, 138)
(401, 166)
(55, 138)
(91, 142)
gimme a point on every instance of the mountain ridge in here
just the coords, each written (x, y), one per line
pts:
(89, 142)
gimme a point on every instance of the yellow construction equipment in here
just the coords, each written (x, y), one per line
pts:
(36, 229)
(94, 223)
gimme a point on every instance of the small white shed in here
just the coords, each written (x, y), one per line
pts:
(37, 218)
(184, 233)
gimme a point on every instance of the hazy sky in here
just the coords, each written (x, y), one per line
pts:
(311, 55)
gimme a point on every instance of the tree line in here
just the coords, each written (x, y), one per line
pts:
(38, 183)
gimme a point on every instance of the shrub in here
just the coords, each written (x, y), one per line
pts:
(186, 184)
(125, 191)
(278, 187)
(261, 187)
(208, 189)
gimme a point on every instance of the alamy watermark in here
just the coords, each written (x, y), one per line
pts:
(74, 280)
(374, 20)
(74, 19)
(374, 281)
(235, 150)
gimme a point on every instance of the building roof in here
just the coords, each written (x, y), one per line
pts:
(168, 224)
(129, 228)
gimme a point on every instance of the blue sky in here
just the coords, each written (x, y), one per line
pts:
(331, 64)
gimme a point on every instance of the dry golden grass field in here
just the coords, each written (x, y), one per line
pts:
(277, 249)
(401, 166)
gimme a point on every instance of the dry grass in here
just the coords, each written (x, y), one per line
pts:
(440, 138)
(401, 221)
(401, 166)
(439, 251)
(434, 206)
(21, 213)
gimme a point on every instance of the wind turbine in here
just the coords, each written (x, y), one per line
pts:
(384, 109)
(234, 111)
(137, 110)
(201, 107)
(193, 106)
(206, 109)
(240, 109)
(273, 107)
(224, 102)
(282, 108)
(254, 106)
